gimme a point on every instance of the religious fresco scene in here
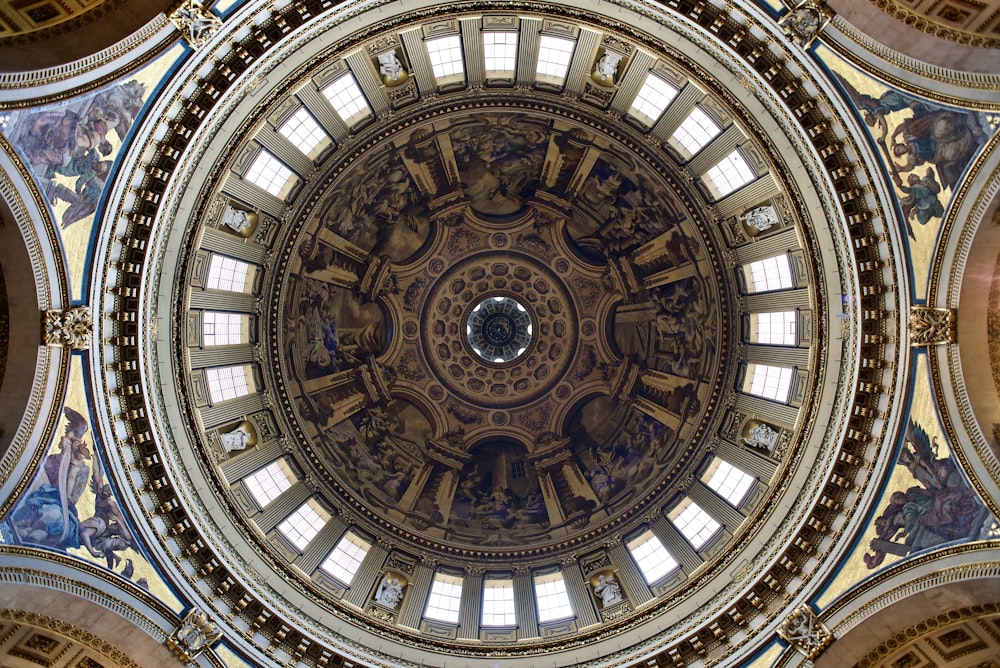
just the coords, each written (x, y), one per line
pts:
(71, 148)
(925, 147)
(452, 191)
(71, 505)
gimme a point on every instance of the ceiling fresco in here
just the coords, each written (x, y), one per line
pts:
(499, 206)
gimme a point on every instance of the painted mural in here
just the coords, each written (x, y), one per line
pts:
(71, 149)
(926, 148)
(927, 501)
(72, 507)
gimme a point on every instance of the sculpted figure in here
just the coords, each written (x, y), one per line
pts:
(389, 592)
(609, 590)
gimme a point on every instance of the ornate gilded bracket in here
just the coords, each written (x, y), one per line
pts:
(196, 22)
(804, 631)
(70, 327)
(930, 326)
(805, 22)
(194, 634)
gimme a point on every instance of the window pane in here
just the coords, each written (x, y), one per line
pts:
(498, 603)
(268, 483)
(652, 558)
(729, 482)
(694, 523)
(696, 131)
(228, 382)
(554, 54)
(302, 526)
(776, 328)
(445, 597)
(269, 174)
(223, 329)
(731, 173)
(346, 98)
(446, 56)
(769, 382)
(500, 50)
(345, 559)
(226, 273)
(304, 132)
(773, 273)
(653, 98)
(553, 601)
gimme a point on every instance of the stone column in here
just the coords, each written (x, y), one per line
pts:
(368, 572)
(631, 578)
(579, 594)
(416, 597)
(277, 510)
(676, 544)
(524, 604)
(471, 605)
(321, 545)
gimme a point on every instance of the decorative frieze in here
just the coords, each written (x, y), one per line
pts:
(70, 328)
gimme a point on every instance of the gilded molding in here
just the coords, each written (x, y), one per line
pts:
(70, 632)
(931, 326)
(923, 23)
(70, 328)
(804, 631)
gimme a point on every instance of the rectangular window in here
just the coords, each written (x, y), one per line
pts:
(498, 603)
(267, 484)
(773, 273)
(223, 329)
(347, 99)
(446, 56)
(652, 558)
(694, 523)
(729, 482)
(445, 597)
(345, 559)
(551, 596)
(777, 328)
(227, 382)
(270, 174)
(304, 133)
(652, 99)
(769, 382)
(500, 50)
(518, 470)
(226, 273)
(730, 174)
(696, 131)
(302, 526)
(554, 54)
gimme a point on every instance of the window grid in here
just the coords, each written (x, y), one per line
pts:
(445, 598)
(696, 131)
(554, 54)
(267, 484)
(269, 174)
(228, 382)
(302, 526)
(729, 482)
(730, 174)
(695, 524)
(446, 56)
(552, 598)
(498, 603)
(346, 98)
(769, 382)
(500, 51)
(776, 328)
(222, 329)
(653, 98)
(226, 273)
(773, 273)
(652, 558)
(303, 131)
(345, 559)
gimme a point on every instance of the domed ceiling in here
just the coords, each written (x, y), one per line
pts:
(503, 320)
(502, 327)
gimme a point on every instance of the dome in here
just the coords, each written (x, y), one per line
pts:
(511, 334)
(630, 402)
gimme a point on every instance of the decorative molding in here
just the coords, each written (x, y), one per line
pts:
(196, 23)
(931, 326)
(805, 632)
(193, 635)
(71, 328)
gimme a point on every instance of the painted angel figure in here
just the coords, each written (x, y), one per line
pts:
(106, 532)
